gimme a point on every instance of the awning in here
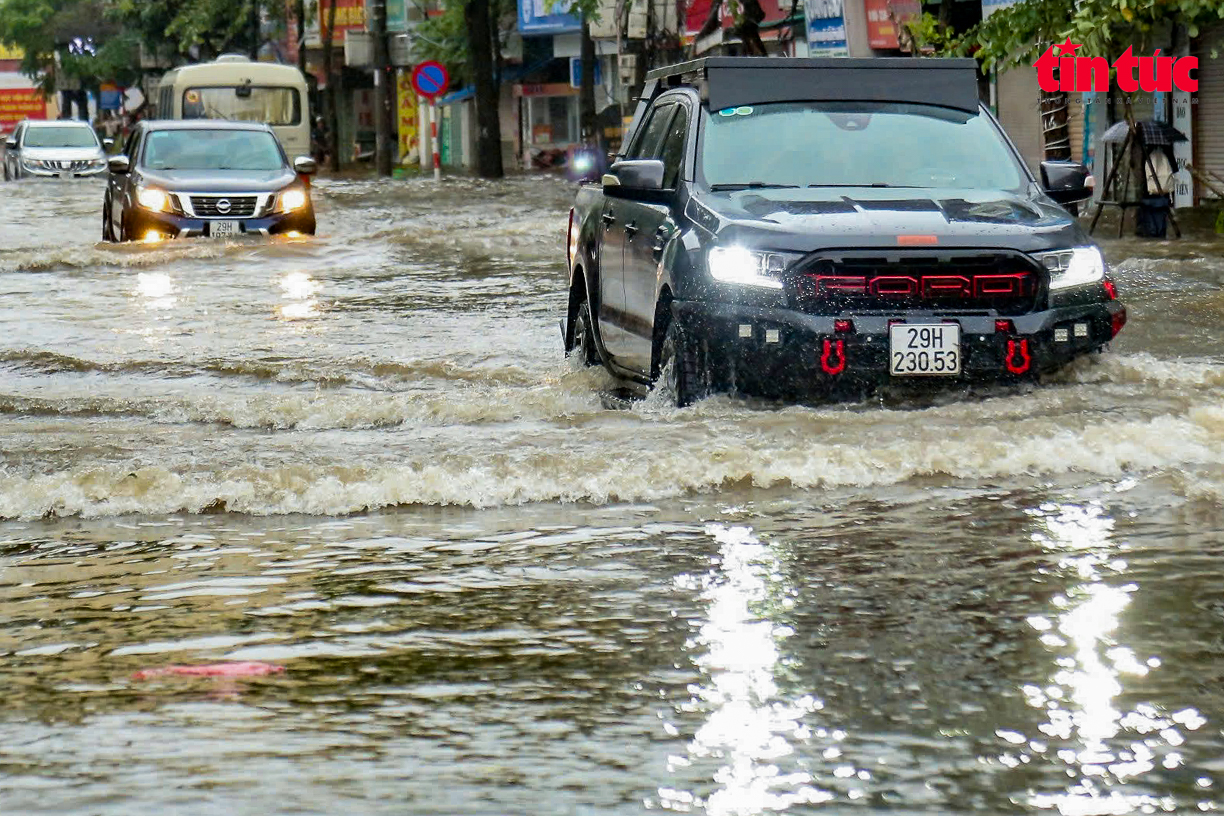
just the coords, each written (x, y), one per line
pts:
(511, 75)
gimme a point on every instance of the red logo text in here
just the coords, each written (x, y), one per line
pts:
(1148, 74)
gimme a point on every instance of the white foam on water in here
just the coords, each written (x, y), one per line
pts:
(605, 468)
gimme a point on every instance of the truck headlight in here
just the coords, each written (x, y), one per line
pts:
(152, 199)
(293, 199)
(748, 267)
(1073, 267)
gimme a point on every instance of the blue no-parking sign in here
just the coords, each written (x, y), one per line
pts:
(430, 79)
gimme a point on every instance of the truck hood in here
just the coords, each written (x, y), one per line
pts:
(804, 220)
(221, 181)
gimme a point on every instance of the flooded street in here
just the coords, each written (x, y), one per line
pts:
(497, 588)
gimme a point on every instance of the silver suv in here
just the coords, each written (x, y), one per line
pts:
(53, 149)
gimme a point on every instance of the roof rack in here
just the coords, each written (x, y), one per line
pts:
(728, 82)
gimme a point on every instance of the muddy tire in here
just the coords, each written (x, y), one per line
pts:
(108, 235)
(683, 367)
(584, 338)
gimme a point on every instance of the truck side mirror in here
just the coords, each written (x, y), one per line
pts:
(11, 144)
(305, 165)
(107, 144)
(635, 176)
(1065, 181)
(118, 164)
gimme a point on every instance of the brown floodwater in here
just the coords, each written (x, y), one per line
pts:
(496, 587)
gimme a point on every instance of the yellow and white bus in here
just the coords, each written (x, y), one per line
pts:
(235, 88)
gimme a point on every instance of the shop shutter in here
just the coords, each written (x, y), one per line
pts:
(1208, 114)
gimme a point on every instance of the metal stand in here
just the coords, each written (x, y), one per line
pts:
(1120, 200)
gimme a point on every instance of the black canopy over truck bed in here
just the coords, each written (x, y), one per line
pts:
(726, 82)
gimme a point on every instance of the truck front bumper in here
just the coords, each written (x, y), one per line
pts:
(782, 350)
(142, 222)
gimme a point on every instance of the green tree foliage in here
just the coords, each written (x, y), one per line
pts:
(99, 40)
(81, 35)
(212, 26)
(1018, 34)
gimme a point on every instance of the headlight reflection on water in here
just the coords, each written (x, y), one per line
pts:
(746, 727)
(1103, 748)
(156, 289)
(300, 289)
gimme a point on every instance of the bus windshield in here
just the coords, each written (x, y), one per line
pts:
(244, 103)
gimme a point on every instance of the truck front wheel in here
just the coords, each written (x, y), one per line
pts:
(683, 367)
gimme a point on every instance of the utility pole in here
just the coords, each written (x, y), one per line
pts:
(299, 11)
(382, 90)
(255, 36)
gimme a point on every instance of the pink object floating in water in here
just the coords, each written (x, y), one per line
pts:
(249, 669)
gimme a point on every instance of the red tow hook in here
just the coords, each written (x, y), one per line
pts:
(837, 350)
(1017, 360)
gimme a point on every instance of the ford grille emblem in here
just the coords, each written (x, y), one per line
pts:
(223, 206)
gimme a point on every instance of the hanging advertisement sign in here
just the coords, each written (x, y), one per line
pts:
(406, 108)
(884, 18)
(539, 17)
(20, 103)
(350, 15)
(110, 96)
(826, 28)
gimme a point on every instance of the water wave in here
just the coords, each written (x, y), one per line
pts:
(598, 470)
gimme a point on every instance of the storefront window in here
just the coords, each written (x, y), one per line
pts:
(551, 120)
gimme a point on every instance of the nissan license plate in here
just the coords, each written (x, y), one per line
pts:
(924, 349)
(223, 229)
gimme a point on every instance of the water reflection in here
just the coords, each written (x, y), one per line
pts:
(1107, 751)
(748, 729)
(156, 289)
(300, 289)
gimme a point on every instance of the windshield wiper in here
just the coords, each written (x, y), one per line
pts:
(872, 184)
(753, 185)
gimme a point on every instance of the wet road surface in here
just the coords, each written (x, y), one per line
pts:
(495, 589)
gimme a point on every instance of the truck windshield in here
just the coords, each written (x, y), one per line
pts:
(60, 137)
(212, 150)
(853, 144)
(274, 106)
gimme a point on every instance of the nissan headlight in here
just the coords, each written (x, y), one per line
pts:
(1073, 267)
(152, 199)
(748, 267)
(294, 199)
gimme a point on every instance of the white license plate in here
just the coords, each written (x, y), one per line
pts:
(223, 229)
(924, 349)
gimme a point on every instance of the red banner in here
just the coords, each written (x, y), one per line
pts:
(884, 17)
(349, 14)
(696, 12)
(20, 103)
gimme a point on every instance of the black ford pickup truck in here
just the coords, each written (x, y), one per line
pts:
(820, 226)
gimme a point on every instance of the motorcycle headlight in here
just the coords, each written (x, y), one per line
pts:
(294, 199)
(1073, 267)
(152, 199)
(748, 267)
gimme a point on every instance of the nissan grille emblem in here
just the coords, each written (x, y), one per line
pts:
(223, 205)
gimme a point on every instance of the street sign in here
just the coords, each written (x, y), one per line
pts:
(430, 79)
(576, 72)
